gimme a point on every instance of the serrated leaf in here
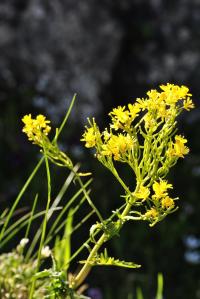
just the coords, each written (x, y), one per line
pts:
(104, 260)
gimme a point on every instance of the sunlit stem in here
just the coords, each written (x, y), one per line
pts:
(81, 276)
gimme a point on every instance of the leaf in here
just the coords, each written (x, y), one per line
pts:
(139, 294)
(104, 260)
(42, 274)
(160, 286)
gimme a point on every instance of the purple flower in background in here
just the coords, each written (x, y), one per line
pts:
(95, 293)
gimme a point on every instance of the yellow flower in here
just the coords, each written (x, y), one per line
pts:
(163, 112)
(141, 103)
(178, 149)
(41, 121)
(180, 139)
(152, 213)
(46, 130)
(35, 128)
(120, 114)
(27, 119)
(111, 148)
(167, 202)
(160, 188)
(143, 193)
(117, 146)
(116, 125)
(120, 118)
(106, 151)
(134, 110)
(188, 104)
(153, 95)
(174, 93)
(89, 137)
(184, 92)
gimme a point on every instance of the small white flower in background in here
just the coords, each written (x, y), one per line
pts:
(23, 242)
(21, 245)
(46, 251)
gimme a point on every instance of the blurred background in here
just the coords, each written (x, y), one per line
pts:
(109, 53)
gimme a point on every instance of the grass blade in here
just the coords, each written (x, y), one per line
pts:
(159, 294)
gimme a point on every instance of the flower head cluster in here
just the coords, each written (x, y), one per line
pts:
(143, 193)
(36, 128)
(160, 188)
(156, 109)
(89, 137)
(160, 199)
(117, 146)
(159, 203)
(141, 135)
(178, 148)
(151, 214)
(122, 118)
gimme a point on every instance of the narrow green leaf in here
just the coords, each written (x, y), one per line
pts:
(139, 294)
(159, 294)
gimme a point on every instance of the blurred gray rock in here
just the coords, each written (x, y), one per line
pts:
(97, 49)
(56, 49)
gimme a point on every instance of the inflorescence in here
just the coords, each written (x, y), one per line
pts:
(36, 128)
(143, 135)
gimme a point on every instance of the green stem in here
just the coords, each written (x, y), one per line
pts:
(88, 198)
(89, 239)
(19, 197)
(65, 118)
(44, 224)
(86, 268)
(81, 276)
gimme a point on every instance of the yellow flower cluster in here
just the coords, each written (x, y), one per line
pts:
(89, 137)
(158, 106)
(178, 148)
(117, 146)
(122, 118)
(36, 128)
(188, 104)
(140, 134)
(160, 188)
(151, 214)
(143, 193)
(167, 202)
(161, 194)
(161, 199)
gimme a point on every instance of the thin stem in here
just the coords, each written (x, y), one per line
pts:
(19, 197)
(66, 118)
(31, 216)
(68, 205)
(44, 224)
(88, 199)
